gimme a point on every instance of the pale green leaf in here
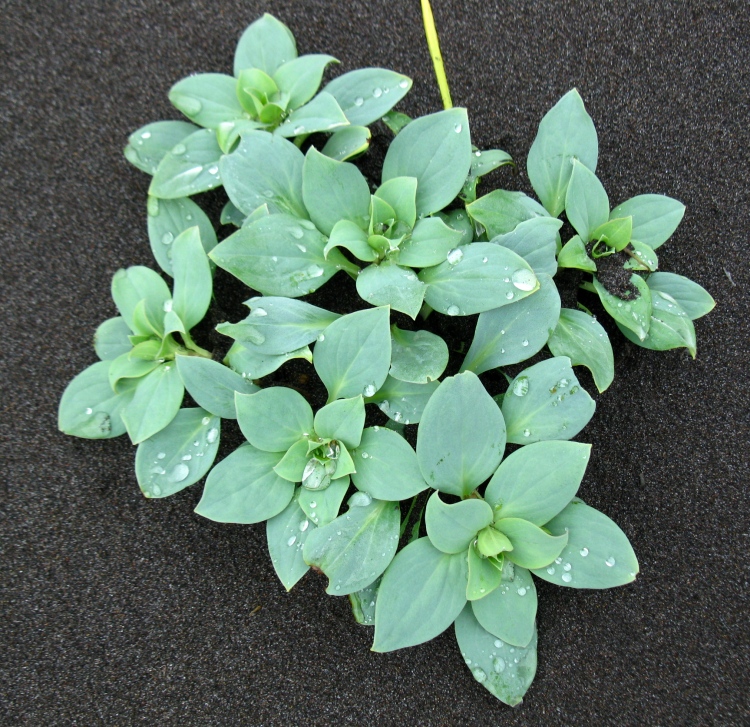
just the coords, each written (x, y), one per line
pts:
(266, 44)
(429, 243)
(534, 240)
(402, 401)
(574, 255)
(586, 202)
(300, 77)
(461, 437)
(321, 114)
(112, 339)
(513, 333)
(690, 296)
(500, 212)
(289, 526)
(190, 167)
(342, 420)
(243, 488)
(178, 455)
(148, 145)
(598, 553)
(565, 133)
(273, 419)
(421, 594)
(132, 285)
(417, 356)
(367, 93)
(633, 313)
(583, 340)
(655, 217)
(347, 142)
(451, 528)
(532, 546)
(207, 99)
(192, 278)
(388, 284)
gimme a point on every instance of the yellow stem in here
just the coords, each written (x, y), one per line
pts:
(437, 59)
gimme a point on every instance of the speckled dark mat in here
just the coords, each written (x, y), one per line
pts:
(116, 610)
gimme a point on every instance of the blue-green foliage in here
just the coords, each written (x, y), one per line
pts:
(420, 243)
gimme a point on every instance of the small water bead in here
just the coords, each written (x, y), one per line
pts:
(167, 305)
(521, 591)
(166, 238)
(299, 129)
(179, 149)
(525, 342)
(313, 504)
(187, 458)
(291, 540)
(498, 644)
(297, 232)
(521, 386)
(458, 128)
(584, 552)
(498, 664)
(526, 432)
(377, 92)
(301, 248)
(477, 153)
(369, 390)
(524, 279)
(307, 224)
(89, 411)
(484, 259)
(304, 525)
(212, 435)
(510, 295)
(403, 84)
(551, 570)
(452, 310)
(153, 206)
(455, 256)
(567, 567)
(274, 259)
(258, 312)
(479, 674)
(205, 420)
(161, 455)
(196, 443)
(213, 170)
(179, 473)
(610, 561)
(146, 135)
(567, 577)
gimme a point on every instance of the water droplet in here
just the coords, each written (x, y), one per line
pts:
(153, 206)
(526, 432)
(258, 312)
(610, 561)
(455, 256)
(551, 570)
(567, 577)
(521, 591)
(205, 420)
(377, 92)
(167, 305)
(524, 279)
(161, 455)
(89, 411)
(521, 386)
(313, 504)
(179, 149)
(321, 338)
(567, 567)
(360, 499)
(297, 232)
(479, 675)
(166, 238)
(365, 455)
(498, 664)
(299, 129)
(510, 295)
(213, 170)
(525, 342)
(369, 390)
(584, 552)
(458, 128)
(146, 135)
(453, 310)
(304, 525)
(155, 490)
(179, 473)
(403, 84)
(498, 644)
(484, 259)
(291, 540)
(212, 435)
(301, 248)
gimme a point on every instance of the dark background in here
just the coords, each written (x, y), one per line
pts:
(116, 610)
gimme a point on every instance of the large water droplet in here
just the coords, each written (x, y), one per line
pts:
(521, 591)
(259, 312)
(524, 279)
(179, 473)
(479, 675)
(452, 310)
(360, 499)
(455, 256)
(567, 577)
(291, 540)
(377, 92)
(498, 664)
(212, 435)
(358, 101)
(610, 561)
(166, 238)
(167, 305)
(403, 84)
(521, 386)
(369, 390)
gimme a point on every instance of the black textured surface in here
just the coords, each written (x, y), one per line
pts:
(116, 610)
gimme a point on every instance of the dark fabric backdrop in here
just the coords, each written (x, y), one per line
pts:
(116, 610)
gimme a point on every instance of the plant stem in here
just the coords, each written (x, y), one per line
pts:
(193, 346)
(437, 59)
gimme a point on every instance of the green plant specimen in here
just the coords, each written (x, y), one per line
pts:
(443, 524)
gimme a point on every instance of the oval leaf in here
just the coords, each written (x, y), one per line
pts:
(367, 93)
(393, 285)
(190, 167)
(545, 401)
(451, 528)
(655, 217)
(417, 356)
(461, 437)
(274, 419)
(179, 455)
(286, 534)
